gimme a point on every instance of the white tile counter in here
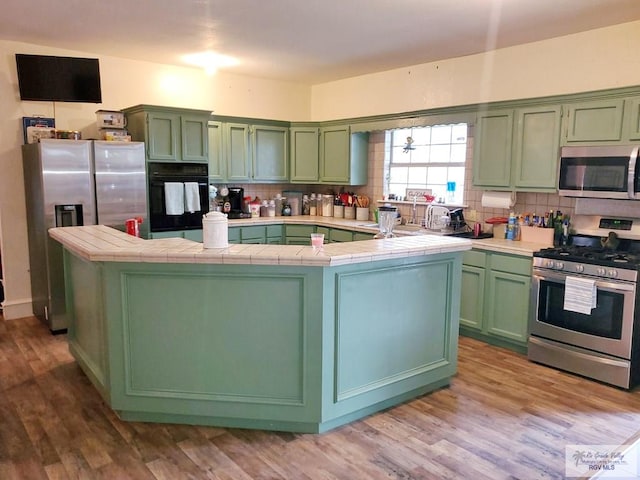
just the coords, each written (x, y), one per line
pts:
(104, 244)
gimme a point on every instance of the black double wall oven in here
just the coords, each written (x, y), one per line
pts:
(186, 173)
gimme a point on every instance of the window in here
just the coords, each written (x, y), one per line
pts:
(428, 158)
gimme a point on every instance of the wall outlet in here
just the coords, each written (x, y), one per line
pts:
(472, 215)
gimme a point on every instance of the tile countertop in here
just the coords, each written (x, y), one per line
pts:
(105, 244)
(489, 244)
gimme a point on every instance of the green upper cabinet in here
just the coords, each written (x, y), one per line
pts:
(594, 122)
(632, 118)
(162, 136)
(252, 152)
(517, 149)
(217, 165)
(170, 134)
(343, 156)
(536, 148)
(270, 147)
(237, 153)
(492, 149)
(195, 142)
(304, 154)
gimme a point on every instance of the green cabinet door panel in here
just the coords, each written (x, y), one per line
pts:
(334, 154)
(162, 136)
(472, 301)
(270, 147)
(236, 148)
(357, 236)
(233, 235)
(337, 235)
(508, 305)
(195, 138)
(494, 304)
(304, 154)
(194, 235)
(594, 121)
(632, 118)
(217, 165)
(492, 149)
(537, 146)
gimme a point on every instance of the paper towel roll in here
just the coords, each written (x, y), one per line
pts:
(498, 199)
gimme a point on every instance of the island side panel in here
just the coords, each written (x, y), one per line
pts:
(390, 333)
(85, 310)
(235, 345)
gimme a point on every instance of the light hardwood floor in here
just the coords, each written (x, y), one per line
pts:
(502, 417)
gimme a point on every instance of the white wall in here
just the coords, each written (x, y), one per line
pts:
(594, 60)
(124, 83)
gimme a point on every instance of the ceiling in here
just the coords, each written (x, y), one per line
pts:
(309, 41)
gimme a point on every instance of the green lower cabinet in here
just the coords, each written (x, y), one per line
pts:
(274, 234)
(494, 304)
(337, 236)
(160, 235)
(234, 235)
(298, 234)
(357, 236)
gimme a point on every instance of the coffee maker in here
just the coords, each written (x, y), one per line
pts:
(236, 200)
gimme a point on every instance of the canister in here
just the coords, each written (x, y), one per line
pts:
(215, 231)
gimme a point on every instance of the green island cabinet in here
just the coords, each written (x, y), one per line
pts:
(248, 152)
(277, 347)
(170, 134)
(602, 121)
(517, 149)
(495, 298)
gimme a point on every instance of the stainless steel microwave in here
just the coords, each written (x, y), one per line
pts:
(599, 172)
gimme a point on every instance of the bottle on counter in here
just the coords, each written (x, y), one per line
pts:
(313, 206)
(286, 210)
(306, 207)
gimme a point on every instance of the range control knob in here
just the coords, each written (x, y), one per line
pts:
(550, 264)
(579, 268)
(559, 266)
(601, 271)
(612, 273)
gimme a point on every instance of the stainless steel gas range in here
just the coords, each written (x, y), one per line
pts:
(585, 306)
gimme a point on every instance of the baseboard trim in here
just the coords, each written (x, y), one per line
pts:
(13, 309)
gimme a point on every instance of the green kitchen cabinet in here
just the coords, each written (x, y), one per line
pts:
(194, 235)
(270, 153)
(337, 236)
(254, 153)
(343, 156)
(217, 164)
(161, 235)
(632, 118)
(275, 234)
(594, 122)
(536, 148)
(299, 234)
(305, 148)
(517, 149)
(170, 134)
(233, 235)
(357, 236)
(492, 149)
(494, 304)
(237, 152)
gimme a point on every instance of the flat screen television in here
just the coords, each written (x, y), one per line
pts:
(58, 79)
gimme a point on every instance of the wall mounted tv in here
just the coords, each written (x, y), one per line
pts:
(58, 79)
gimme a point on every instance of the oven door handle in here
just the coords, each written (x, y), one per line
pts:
(600, 284)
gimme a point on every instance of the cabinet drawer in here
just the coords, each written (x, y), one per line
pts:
(249, 233)
(341, 235)
(511, 264)
(474, 258)
(299, 230)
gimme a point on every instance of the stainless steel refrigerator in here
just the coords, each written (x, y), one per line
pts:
(76, 182)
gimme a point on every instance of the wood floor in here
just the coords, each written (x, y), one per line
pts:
(502, 417)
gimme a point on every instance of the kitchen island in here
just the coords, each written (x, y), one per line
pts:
(274, 337)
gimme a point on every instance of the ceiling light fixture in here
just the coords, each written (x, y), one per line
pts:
(210, 61)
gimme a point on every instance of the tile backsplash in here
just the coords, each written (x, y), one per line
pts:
(379, 155)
